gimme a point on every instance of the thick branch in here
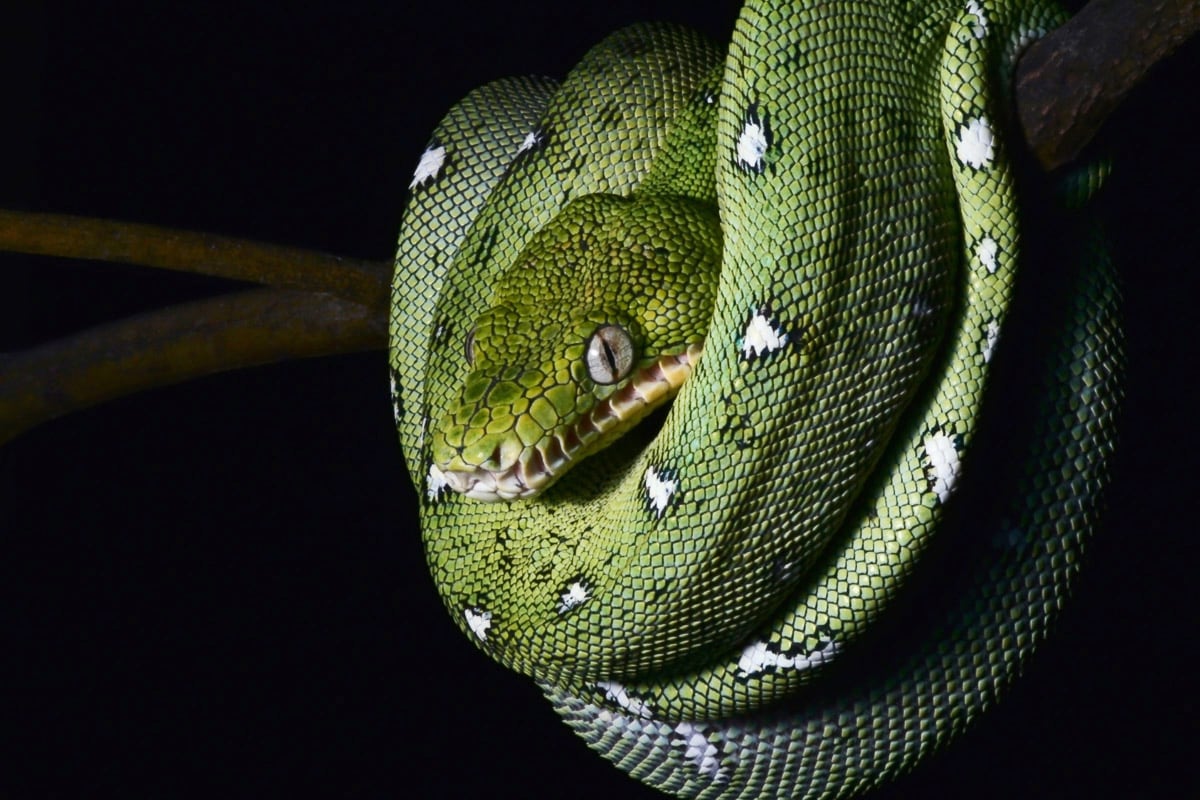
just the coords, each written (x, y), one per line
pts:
(363, 282)
(1071, 80)
(249, 328)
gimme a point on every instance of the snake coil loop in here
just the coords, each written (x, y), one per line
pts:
(811, 243)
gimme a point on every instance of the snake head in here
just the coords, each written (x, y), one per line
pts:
(598, 322)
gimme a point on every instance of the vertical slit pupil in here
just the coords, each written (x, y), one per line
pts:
(609, 355)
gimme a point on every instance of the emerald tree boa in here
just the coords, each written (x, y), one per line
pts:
(690, 591)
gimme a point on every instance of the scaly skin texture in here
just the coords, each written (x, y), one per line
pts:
(674, 590)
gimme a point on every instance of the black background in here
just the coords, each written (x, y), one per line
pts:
(219, 586)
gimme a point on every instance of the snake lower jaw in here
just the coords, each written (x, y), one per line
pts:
(488, 486)
(536, 467)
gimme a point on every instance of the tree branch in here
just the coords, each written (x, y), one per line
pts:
(1069, 81)
(244, 329)
(362, 282)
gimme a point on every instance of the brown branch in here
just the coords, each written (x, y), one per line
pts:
(1071, 80)
(250, 328)
(363, 282)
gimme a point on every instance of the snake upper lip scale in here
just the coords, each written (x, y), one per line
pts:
(536, 467)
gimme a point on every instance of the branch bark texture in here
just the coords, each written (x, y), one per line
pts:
(1070, 81)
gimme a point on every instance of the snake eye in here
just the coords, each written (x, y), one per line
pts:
(469, 347)
(609, 355)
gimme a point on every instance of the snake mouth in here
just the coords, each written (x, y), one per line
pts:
(539, 465)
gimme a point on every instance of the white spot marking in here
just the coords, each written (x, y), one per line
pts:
(574, 596)
(532, 139)
(975, 8)
(762, 336)
(752, 145)
(945, 463)
(759, 657)
(395, 398)
(989, 343)
(922, 308)
(986, 252)
(976, 144)
(615, 693)
(429, 166)
(478, 621)
(659, 489)
(700, 751)
(435, 483)
(785, 571)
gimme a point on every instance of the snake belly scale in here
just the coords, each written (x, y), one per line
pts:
(715, 335)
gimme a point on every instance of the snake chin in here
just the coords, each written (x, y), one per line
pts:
(487, 486)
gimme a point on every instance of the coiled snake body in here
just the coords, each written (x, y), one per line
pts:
(816, 236)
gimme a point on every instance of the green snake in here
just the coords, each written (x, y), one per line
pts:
(697, 363)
